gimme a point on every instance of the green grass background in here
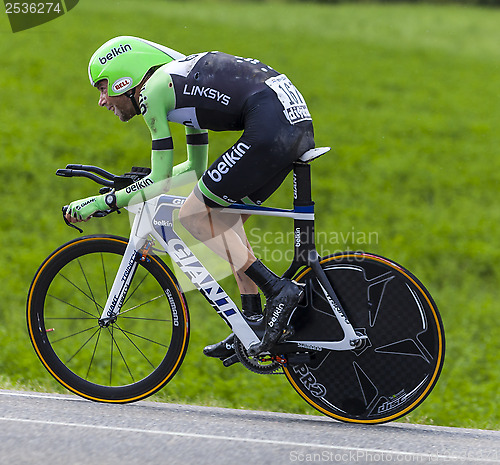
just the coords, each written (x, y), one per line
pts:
(408, 96)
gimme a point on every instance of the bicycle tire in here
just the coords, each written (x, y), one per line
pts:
(399, 364)
(134, 356)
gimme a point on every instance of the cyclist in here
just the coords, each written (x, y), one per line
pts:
(219, 92)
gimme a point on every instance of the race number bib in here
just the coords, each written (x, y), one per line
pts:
(294, 105)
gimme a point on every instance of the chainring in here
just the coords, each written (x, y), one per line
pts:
(263, 365)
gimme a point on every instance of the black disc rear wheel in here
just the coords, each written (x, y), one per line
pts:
(391, 372)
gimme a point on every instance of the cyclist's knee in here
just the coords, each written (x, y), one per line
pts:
(192, 214)
(184, 217)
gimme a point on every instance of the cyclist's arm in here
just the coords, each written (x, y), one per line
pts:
(154, 102)
(157, 99)
(154, 106)
(197, 154)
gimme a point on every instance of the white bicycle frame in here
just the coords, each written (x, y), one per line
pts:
(154, 219)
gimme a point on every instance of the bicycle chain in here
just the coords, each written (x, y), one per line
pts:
(254, 364)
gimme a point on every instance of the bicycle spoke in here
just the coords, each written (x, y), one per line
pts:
(88, 284)
(130, 294)
(135, 345)
(114, 342)
(141, 337)
(145, 319)
(93, 355)
(83, 345)
(75, 334)
(104, 274)
(82, 291)
(71, 305)
(110, 330)
(140, 305)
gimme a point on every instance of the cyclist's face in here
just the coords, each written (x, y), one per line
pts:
(120, 105)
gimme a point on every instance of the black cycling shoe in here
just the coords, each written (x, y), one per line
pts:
(252, 310)
(223, 349)
(277, 312)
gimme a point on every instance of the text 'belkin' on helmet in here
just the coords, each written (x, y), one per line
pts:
(125, 60)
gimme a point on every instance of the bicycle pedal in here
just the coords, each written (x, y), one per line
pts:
(289, 331)
(230, 360)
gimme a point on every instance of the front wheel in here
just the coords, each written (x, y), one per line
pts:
(399, 363)
(131, 358)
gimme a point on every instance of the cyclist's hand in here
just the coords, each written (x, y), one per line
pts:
(83, 209)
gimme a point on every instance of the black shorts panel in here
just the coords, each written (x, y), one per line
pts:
(256, 165)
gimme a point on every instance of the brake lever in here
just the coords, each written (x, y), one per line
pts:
(98, 214)
(64, 210)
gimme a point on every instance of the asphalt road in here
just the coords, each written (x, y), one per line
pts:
(63, 429)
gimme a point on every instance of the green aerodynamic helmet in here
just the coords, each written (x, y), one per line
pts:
(125, 60)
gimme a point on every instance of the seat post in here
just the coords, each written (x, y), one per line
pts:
(302, 176)
(304, 246)
(302, 184)
(305, 253)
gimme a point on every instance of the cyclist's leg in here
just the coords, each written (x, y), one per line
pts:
(250, 171)
(223, 232)
(231, 243)
(226, 238)
(245, 284)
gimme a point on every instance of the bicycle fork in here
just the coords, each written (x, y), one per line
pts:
(121, 284)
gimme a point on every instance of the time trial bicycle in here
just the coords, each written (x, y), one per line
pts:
(108, 319)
